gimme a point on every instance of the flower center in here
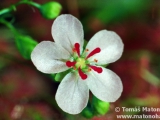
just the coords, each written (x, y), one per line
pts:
(81, 64)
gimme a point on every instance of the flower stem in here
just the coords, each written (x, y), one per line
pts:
(9, 9)
(30, 3)
(13, 7)
(10, 26)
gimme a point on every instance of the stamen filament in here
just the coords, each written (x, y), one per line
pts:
(77, 47)
(81, 74)
(79, 62)
(97, 69)
(70, 64)
(95, 51)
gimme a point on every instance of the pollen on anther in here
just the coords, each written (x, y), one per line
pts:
(87, 50)
(89, 69)
(95, 60)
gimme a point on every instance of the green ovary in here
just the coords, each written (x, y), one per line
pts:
(81, 63)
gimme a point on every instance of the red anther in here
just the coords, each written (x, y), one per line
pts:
(97, 69)
(81, 74)
(77, 48)
(95, 51)
(70, 64)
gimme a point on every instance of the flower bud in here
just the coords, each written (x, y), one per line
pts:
(100, 107)
(50, 10)
(87, 113)
(59, 76)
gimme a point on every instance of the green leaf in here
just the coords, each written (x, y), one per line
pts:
(104, 65)
(151, 78)
(25, 45)
(110, 11)
(117, 10)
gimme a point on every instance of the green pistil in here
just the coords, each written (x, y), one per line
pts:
(81, 63)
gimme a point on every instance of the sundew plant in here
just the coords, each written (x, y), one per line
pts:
(85, 66)
(78, 59)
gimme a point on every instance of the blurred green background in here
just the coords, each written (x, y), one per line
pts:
(27, 94)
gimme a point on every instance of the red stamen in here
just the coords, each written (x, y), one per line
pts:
(70, 64)
(82, 75)
(77, 48)
(95, 51)
(97, 69)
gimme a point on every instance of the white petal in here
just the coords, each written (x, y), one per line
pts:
(72, 94)
(67, 30)
(110, 44)
(106, 86)
(49, 57)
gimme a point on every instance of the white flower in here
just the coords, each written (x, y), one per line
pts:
(86, 71)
